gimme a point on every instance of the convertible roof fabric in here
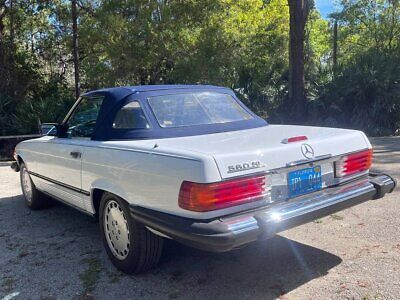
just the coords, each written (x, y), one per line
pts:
(116, 98)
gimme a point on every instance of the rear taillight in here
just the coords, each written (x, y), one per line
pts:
(212, 196)
(353, 163)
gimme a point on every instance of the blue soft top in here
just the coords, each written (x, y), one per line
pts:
(116, 98)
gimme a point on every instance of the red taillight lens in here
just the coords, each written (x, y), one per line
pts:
(353, 163)
(211, 196)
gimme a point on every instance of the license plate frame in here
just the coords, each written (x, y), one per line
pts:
(304, 181)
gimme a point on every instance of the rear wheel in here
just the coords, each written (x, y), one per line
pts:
(33, 198)
(131, 247)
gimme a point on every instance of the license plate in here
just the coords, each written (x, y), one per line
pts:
(304, 181)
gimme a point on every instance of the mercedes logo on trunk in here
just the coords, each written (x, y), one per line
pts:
(307, 150)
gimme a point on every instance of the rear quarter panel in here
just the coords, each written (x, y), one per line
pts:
(147, 178)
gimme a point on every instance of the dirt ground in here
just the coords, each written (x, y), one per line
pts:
(57, 254)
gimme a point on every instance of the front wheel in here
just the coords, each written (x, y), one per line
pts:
(131, 247)
(34, 199)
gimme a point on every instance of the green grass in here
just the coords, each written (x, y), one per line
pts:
(336, 217)
(114, 277)
(91, 275)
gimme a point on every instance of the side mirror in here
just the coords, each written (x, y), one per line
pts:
(47, 128)
(61, 130)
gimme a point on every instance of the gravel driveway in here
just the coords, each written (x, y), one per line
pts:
(57, 254)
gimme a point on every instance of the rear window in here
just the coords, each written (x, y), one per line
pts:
(178, 110)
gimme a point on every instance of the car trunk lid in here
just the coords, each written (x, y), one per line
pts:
(243, 152)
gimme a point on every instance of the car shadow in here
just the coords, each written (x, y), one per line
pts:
(269, 268)
(42, 241)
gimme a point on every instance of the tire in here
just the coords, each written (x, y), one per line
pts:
(34, 199)
(131, 247)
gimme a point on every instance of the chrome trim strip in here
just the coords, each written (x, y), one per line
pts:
(307, 161)
(67, 186)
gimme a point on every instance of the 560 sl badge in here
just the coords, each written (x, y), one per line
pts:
(245, 166)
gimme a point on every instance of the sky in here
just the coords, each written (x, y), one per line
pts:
(326, 7)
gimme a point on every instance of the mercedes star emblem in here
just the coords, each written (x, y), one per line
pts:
(307, 151)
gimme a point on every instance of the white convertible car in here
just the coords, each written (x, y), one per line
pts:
(193, 164)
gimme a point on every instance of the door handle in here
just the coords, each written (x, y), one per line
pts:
(75, 154)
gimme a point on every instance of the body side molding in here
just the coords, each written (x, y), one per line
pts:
(75, 189)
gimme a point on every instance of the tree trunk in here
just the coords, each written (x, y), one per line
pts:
(12, 22)
(299, 10)
(3, 57)
(75, 46)
(335, 47)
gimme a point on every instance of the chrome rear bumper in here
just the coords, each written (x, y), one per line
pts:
(224, 234)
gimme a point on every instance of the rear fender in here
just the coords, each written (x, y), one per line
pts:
(107, 186)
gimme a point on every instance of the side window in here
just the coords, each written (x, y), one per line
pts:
(83, 119)
(131, 116)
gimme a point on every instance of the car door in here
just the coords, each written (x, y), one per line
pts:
(60, 162)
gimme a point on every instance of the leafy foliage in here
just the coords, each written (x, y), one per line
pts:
(365, 91)
(240, 44)
(365, 95)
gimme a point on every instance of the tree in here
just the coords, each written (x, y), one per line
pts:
(2, 16)
(364, 92)
(299, 11)
(53, 50)
(75, 49)
(335, 46)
